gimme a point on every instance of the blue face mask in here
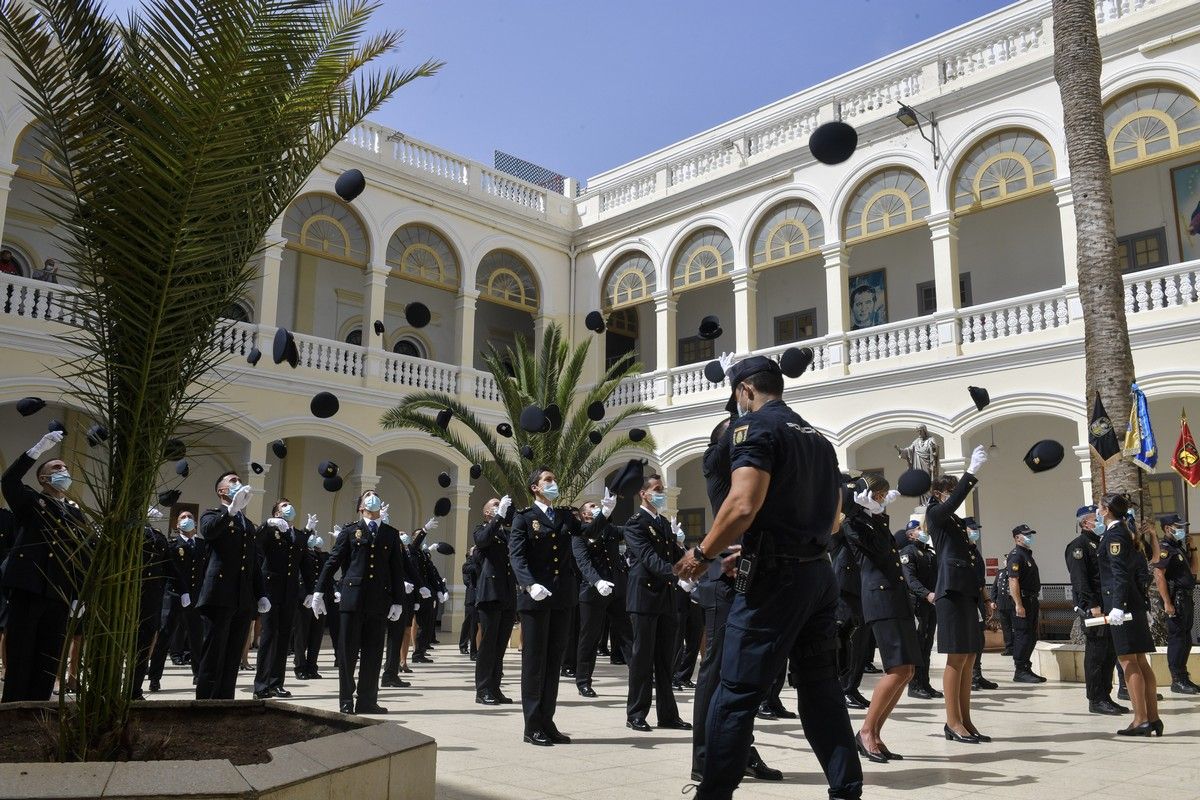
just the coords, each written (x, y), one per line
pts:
(658, 500)
(923, 537)
(314, 542)
(187, 524)
(1101, 526)
(287, 512)
(1179, 533)
(1029, 540)
(550, 492)
(372, 503)
(974, 536)
(233, 489)
(61, 480)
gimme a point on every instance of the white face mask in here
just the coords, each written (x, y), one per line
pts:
(923, 537)
(186, 524)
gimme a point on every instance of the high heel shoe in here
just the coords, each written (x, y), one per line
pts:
(1145, 729)
(889, 755)
(978, 736)
(1156, 727)
(951, 736)
(874, 757)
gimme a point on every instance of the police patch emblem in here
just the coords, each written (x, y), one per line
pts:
(537, 526)
(903, 559)
(358, 535)
(1162, 555)
(181, 552)
(1077, 553)
(1015, 567)
(739, 434)
(1115, 548)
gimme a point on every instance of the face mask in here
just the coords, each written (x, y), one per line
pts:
(233, 489)
(974, 536)
(1179, 533)
(61, 480)
(405, 539)
(1100, 525)
(658, 500)
(287, 512)
(314, 542)
(621, 548)
(550, 491)
(372, 503)
(1029, 540)
(187, 524)
(923, 537)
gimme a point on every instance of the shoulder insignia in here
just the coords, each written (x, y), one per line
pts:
(1180, 556)
(537, 526)
(1015, 566)
(278, 536)
(1115, 548)
(739, 434)
(904, 558)
(1162, 555)
(1077, 553)
(42, 502)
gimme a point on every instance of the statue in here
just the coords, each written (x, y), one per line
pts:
(922, 454)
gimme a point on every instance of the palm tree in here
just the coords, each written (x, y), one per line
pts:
(1108, 359)
(523, 379)
(176, 137)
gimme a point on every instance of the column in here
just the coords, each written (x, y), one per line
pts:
(672, 508)
(664, 329)
(259, 507)
(943, 232)
(837, 301)
(366, 474)
(374, 298)
(268, 287)
(1084, 453)
(1066, 223)
(6, 176)
(464, 334)
(460, 537)
(745, 311)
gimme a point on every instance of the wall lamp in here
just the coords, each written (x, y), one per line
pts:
(910, 117)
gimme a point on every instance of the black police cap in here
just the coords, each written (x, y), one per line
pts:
(174, 450)
(744, 369)
(476, 471)
(445, 548)
(595, 437)
(168, 498)
(379, 329)
(833, 142)
(594, 322)
(636, 434)
(333, 484)
(256, 468)
(56, 425)
(979, 397)
(505, 430)
(279, 448)
(1023, 530)
(284, 348)
(901, 538)
(442, 507)
(630, 478)
(714, 372)
(253, 356)
(183, 468)
(1044, 455)
(327, 469)
(1171, 520)
(417, 314)
(554, 416)
(595, 411)
(443, 418)
(527, 452)
(28, 406)
(533, 419)
(710, 327)
(350, 184)
(443, 480)
(795, 361)
(96, 434)
(324, 405)
(914, 483)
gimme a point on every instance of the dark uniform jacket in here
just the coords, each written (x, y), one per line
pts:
(1173, 560)
(470, 574)
(426, 571)
(8, 532)
(654, 551)
(849, 578)
(156, 571)
(1083, 564)
(372, 568)
(919, 564)
(286, 567)
(597, 556)
(50, 552)
(189, 560)
(956, 556)
(981, 579)
(496, 581)
(1022, 566)
(540, 550)
(233, 575)
(883, 584)
(1119, 564)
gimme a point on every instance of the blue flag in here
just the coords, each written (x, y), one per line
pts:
(1139, 436)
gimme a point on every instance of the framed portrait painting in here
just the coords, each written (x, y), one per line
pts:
(1185, 187)
(868, 299)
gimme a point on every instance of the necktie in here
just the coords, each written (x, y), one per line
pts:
(371, 526)
(550, 514)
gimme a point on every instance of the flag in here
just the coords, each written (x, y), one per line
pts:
(1101, 436)
(1140, 444)
(1186, 460)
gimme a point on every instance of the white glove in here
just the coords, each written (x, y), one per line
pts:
(425, 593)
(44, 444)
(279, 523)
(264, 605)
(185, 599)
(608, 503)
(417, 607)
(431, 525)
(605, 588)
(311, 525)
(891, 497)
(383, 511)
(726, 361)
(1117, 617)
(443, 597)
(318, 606)
(77, 607)
(677, 529)
(240, 500)
(336, 530)
(505, 505)
(865, 500)
(394, 612)
(153, 513)
(978, 459)
(686, 585)
(308, 601)
(408, 587)
(337, 597)
(539, 592)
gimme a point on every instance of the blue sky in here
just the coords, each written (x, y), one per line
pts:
(581, 87)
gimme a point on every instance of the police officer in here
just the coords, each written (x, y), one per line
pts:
(42, 571)
(156, 565)
(1004, 608)
(689, 629)
(595, 551)
(1174, 580)
(368, 554)
(852, 634)
(920, 564)
(181, 627)
(286, 567)
(784, 497)
(470, 624)
(540, 550)
(399, 631)
(1099, 658)
(309, 631)
(987, 606)
(654, 544)
(232, 580)
(495, 600)
(1024, 586)
(432, 590)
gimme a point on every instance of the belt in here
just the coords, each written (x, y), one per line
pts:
(802, 559)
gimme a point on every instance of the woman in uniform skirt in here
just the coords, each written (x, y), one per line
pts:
(885, 608)
(959, 634)
(1126, 608)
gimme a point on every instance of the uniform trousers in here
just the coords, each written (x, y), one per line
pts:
(856, 640)
(274, 638)
(33, 641)
(395, 640)
(650, 668)
(495, 629)
(425, 620)
(149, 621)
(225, 632)
(1005, 617)
(925, 615)
(1099, 661)
(1025, 634)
(594, 614)
(1179, 633)
(788, 612)
(543, 639)
(687, 638)
(466, 636)
(570, 652)
(307, 634)
(716, 615)
(179, 629)
(361, 635)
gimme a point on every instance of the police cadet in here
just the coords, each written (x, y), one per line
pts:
(42, 571)
(1025, 586)
(784, 496)
(180, 628)
(156, 565)
(368, 554)
(540, 549)
(1099, 657)
(226, 598)
(1174, 580)
(987, 606)
(495, 600)
(650, 601)
(432, 590)
(399, 630)
(470, 624)
(920, 564)
(853, 635)
(309, 631)
(287, 574)
(595, 551)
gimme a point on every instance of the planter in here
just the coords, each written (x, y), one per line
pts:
(1064, 662)
(332, 755)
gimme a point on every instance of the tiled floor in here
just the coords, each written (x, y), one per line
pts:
(1046, 744)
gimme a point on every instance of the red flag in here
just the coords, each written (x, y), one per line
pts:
(1186, 459)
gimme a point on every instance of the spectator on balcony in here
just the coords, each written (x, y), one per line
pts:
(8, 264)
(48, 273)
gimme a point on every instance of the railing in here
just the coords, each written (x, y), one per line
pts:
(630, 192)
(423, 158)
(32, 299)
(1111, 10)
(989, 53)
(507, 188)
(886, 94)
(486, 388)
(1164, 287)
(783, 133)
(820, 352)
(638, 389)
(700, 164)
(237, 338)
(328, 355)
(1040, 312)
(689, 379)
(419, 374)
(888, 341)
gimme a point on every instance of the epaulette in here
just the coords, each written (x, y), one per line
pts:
(524, 510)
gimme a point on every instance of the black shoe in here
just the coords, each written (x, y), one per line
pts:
(462, 648)
(177, 661)
(155, 686)
(1006, 652)
(300, 675)
(558, 737)
(1101, 707)
(1122, 693)
(375, 709)
(920, 693)
(346, 708)
(406, 669)
(504, 699)
(1145, 729)
(474, 656)
(617, 661)
(1116, 707)
(697, 777)
(422, 659)
(982, 739)
(1025, 676)
(889, 755)
(314, 676)
(538, 738)
(854, 699)
(687, 684)
(567, 672)
(279, 691)
(983, 683)
(389, 681)
(137, 696)
(602, 651)
(871, 669)
(639, 725)
(487, 699)
(587, 691)
(677, 725)
(433, 642)
(782, 713)
(1183, 687)
(934, 692)
(267, 695)
(875, 757)
(765, 712)
(755, 768)
(951, 736)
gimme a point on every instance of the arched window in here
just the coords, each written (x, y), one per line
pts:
(505, 278)
(1150, 122)
(1002, 167)
(624, 322)
(354, 337)
(12, 254)
(238, 311)
(630, 281)
(326, 227)
(420, 253)
(791, 230)
(704, 257)
(886, 201)
(408, 346)
(33, 157)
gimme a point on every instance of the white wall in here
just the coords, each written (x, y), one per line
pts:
(1012, 249)
(908, 259)
(788, 289)
(694, 305)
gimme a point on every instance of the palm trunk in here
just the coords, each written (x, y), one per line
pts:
(1109, 362)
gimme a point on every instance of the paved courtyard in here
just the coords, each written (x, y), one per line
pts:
(1046, 744)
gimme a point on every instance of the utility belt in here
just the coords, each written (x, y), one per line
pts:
(762, 555)
(1180, 589)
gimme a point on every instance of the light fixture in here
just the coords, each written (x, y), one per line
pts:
(396, 137)
(993, 445)
(909, 117)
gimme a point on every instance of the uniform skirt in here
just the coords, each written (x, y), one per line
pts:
(958, 628)
(896, 640)
(1133, 636)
